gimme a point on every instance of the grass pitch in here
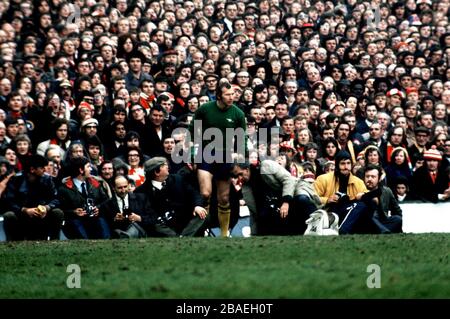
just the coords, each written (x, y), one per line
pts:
(411, 266)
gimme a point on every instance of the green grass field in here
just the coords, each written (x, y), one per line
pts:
(412, 266)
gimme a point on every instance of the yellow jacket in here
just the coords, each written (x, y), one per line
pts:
(326, 185)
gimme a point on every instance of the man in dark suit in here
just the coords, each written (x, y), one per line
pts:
(431, 181)
(131, 214)
(178, 206)
(83, 202)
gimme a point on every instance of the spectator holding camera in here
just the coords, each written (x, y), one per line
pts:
(131, 213)
(83, 200)
(178, 206)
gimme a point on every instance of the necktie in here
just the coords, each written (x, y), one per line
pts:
(83, 190)
(123, 204)
(433, 177)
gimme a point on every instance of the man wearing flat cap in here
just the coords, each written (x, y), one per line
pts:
(177, 204)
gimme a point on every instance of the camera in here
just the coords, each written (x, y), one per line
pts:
(90, 207)
(342, 196)
(274, 208)
(273, 204)
(166, 217)
(126, 212)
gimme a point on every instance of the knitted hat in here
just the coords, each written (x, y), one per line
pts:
(89, 121)
(432, 154)
(411, 90)
(392, 92)
(85, 105)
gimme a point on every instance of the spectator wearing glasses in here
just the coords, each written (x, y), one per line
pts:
(135, 160)
(140, 123)
(211, 81)
(242, 78)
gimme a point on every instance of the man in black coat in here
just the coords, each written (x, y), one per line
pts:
(32, 205)
(431, 181)
(178, 205)
(83, 202)
(130, 214)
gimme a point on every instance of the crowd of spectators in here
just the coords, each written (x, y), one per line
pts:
(110, 81)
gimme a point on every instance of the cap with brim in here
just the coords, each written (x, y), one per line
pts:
(65, 83)
(211, 75)
(421, 129)
(154, 163)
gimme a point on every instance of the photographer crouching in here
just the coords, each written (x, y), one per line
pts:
(178, 206)
(132, 212)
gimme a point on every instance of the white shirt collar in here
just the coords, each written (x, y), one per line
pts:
(157, 184)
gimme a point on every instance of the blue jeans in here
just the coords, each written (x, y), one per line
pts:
(87, 228)
(355, 218)
(387, 225)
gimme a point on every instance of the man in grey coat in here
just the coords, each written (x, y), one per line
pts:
(283, 201)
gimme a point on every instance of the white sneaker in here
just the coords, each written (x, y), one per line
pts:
(333, 229)
(315, 224)
(335, 224)
(319, 224)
